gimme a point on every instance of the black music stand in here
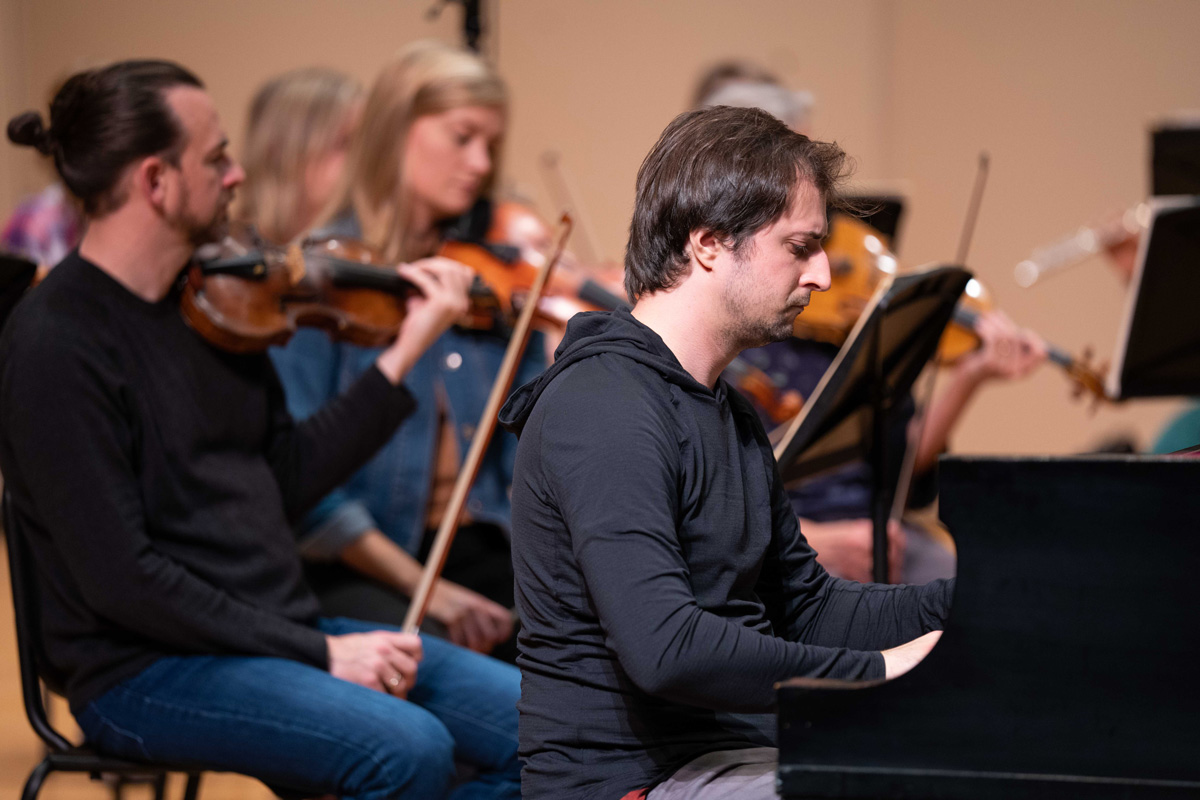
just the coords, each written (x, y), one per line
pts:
(1158, 352)
(882, 212)
(1175, 158)
(846, 417)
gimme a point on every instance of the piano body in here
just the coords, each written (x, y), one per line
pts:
(1070, 661)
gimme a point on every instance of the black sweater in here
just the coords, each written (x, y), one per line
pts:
(155, 477)
(662, 580)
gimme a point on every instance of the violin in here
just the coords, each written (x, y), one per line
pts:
(507, 259)
(234, 292)
(960, 338)
(859, 259)
(360, 298)
(780, 406)
(244, 295)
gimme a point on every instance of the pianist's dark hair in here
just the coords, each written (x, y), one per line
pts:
(103, 120)
(730, 170)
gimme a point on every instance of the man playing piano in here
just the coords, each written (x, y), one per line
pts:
(662, 580)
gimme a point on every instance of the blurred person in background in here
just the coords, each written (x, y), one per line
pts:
(45, 226)
(419, 169)
(299, 131)
(835, 508)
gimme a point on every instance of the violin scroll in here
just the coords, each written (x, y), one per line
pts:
(1085, 378)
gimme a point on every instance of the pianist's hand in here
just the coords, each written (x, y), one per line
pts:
(900, 660)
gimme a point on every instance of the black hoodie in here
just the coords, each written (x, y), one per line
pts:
(662, 580)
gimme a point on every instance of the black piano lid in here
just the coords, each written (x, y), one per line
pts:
(1070, 658)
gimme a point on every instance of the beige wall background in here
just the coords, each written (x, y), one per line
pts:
(1059, 94)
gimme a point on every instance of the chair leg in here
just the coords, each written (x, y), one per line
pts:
(34, 783)
(160, 787)
(193, 786)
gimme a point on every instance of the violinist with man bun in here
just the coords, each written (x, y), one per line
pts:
(155, 477)
(663, 582)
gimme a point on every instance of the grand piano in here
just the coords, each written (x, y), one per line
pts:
(1070, 661)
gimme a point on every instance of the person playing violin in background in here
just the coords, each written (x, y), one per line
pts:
(298, 132)
(835, 508)
(298, 135)
(156, 476)
(423, 157)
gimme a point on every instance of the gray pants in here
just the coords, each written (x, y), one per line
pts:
(725, 775)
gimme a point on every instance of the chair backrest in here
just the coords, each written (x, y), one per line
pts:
(30, 647)
(16, 276)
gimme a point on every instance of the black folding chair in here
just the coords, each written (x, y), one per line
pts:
(61, 755)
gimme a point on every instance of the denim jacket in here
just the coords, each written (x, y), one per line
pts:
(391, 492)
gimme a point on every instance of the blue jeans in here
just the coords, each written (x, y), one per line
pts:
(301, 730)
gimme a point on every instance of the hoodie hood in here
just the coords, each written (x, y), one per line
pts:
(595, 333)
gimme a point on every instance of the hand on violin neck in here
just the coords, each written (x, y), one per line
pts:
(442, 299)
(1007, 352)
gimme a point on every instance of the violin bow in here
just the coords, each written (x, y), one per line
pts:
(916, 430)
(964, 242)
(483, 436)
(912, 446)
(555, 176)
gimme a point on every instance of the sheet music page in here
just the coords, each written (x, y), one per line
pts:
(1158, 207)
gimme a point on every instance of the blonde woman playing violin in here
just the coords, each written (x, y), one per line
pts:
(417, 168)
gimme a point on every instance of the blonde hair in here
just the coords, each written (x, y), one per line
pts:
(293, 118)
(426, 77)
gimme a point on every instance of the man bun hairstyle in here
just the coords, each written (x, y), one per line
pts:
(733, 171)
(103, 120)
(29, 130)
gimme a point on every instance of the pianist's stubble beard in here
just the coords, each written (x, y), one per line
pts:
(755, 314)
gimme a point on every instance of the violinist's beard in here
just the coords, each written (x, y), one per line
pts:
(200, 230)
(213, 232)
